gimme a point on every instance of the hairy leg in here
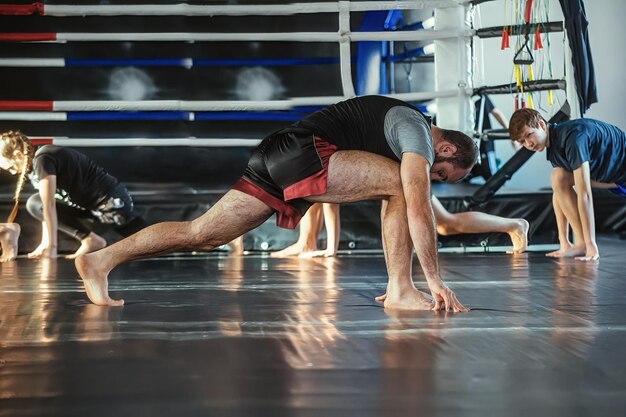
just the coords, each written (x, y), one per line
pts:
(310, 226)
(401, 292)
(355, 176)
(9, 234)
(232, 216)
(478, 222)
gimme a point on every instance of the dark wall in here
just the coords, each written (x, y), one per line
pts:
(166, 83)
(205, 167)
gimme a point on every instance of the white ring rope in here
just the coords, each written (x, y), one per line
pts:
(344, 36)
(32, 62)
(421, 35)
(217, 105)
(190, 141)
(39, 116)
(243, 10)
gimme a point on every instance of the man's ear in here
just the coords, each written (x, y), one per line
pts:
(446, 149)
(542, 124)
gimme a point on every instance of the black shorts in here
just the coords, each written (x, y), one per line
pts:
(286, 167)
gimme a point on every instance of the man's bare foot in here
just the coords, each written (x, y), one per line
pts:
(91, 243)
(519, 237)
(568, 252)
(410, 300)
(9, 234)
(294, 250)
(95, 280)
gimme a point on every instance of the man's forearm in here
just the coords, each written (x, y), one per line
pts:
(585, 211)
(422, 228)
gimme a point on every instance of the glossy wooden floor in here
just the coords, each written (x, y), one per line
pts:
(256, 336)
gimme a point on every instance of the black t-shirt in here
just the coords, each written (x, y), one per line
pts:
(575, 142)
(488, 109)
(355, 124)
(85, 183)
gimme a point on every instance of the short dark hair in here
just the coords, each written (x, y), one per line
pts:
(466, 154)
(523, 118)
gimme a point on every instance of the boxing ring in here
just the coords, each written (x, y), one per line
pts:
(451, 94)
(212, 334)
(444, 33)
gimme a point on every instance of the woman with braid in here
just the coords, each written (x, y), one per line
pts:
(73, 193)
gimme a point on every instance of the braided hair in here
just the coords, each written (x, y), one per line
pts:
(16, 141)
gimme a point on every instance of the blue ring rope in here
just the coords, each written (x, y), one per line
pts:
(131, 115)
(288, 115)
(186, 62)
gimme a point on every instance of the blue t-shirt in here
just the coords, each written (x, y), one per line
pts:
(575, 142)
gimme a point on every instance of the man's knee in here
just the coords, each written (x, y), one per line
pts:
(446, 224)
(34, 206)
(200, 236)
(396, 201)
(561, 179)
(205, 235)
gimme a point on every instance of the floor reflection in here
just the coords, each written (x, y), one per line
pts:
(255, 335)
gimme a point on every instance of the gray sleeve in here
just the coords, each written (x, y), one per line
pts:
(406, 130)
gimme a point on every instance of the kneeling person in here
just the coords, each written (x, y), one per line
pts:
(72, 192)
(584, 153)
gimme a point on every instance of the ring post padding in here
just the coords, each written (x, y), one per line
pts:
(452, 71)
(344, 49)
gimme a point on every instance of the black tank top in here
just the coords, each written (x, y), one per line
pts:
(355, 124)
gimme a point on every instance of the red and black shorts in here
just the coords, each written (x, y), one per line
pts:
(286, 167)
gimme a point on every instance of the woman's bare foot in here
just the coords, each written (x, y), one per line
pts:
(294, 250)
(568, 252)
(236, 246)
(9, 234)
(410, 300)
(95, 280)
(519, 237)
(318, 254)
(91, 243)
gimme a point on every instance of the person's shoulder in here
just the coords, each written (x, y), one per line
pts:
(582, 124)
(572, 127)
(47, 150)
(596, 124)
(57, 153)
(409, 114)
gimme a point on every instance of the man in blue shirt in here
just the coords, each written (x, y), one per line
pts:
(585, 153)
